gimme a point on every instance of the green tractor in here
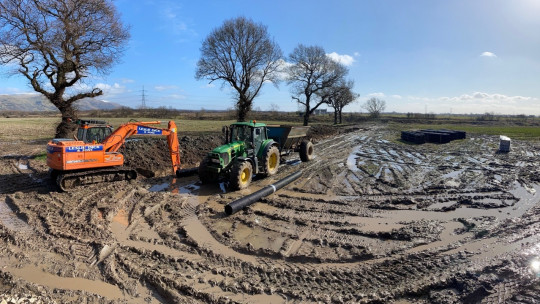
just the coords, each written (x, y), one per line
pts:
(253, 148)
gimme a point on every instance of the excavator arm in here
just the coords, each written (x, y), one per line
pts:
(118, 138)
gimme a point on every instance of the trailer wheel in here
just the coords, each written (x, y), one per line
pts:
(241, 174)
(206, 176)
(306, 150)
(271, 161)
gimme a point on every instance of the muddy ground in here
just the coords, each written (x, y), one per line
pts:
(371, 220)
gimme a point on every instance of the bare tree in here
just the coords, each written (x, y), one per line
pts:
(374, 106)
(240, 53)
(57, 43)
(311, 72)
(274, 108)
(338, 97)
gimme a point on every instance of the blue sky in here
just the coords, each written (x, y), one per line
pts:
(459, 56)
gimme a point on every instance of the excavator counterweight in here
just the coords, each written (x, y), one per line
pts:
(93, 157)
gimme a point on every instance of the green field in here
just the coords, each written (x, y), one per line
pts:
(43, 128)
(512, 131)
(13, 129)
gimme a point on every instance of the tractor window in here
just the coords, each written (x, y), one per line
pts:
(258, 139)
(241, 133)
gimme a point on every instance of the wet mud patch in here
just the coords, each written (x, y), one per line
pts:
(371, 220)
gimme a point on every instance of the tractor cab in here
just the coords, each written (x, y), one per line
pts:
(252, 133)
(93, 131)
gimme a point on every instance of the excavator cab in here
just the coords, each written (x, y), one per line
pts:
(93, 131)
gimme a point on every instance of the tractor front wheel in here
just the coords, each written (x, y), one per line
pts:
(241, 174)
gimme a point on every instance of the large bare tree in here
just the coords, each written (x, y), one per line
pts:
(242, 54)
(57, 43)
(310, 72)
(374, 106)
(339, 96)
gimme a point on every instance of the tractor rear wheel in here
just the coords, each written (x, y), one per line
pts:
(241, 174)
(271, 161)
(306, 150)
(205, 175)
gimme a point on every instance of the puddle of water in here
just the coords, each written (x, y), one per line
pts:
(159, 187)
(10, 220)
(36, 275)
(258, 238)
(351, 160)
(452, 174)
(175, 187)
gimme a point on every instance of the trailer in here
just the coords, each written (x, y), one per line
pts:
(291, 139)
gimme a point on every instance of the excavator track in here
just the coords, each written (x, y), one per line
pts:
(67, 181)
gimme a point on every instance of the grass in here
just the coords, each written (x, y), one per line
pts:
(42, 156)
(43, 128)
(34, 128)
(512, 131)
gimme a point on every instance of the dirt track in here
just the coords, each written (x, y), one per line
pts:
(370, 220)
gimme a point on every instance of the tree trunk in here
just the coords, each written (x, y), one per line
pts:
(67, 127)
(335, 116)
(340, 116)
(306, 118)
(243, 108)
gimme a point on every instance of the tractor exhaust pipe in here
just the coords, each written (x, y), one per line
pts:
(245, 201)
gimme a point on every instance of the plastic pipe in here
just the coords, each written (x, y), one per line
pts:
(245, 201)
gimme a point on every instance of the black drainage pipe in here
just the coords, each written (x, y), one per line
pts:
(245, 201)
(187, 172)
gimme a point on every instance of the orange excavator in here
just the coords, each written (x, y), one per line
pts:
(93, 157)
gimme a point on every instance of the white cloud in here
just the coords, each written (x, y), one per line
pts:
(172, 16)
(282, 70)
(481, 97)
(488, 54)
(343, 59)
(165, 87)
(111, 90)
(16, 91)
(356, 54)
(377, 95)
(127, 80)
(176, 96)
(396, 96)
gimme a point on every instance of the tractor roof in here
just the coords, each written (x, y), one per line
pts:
(251, 123)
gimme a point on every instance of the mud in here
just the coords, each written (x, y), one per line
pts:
(371, 220)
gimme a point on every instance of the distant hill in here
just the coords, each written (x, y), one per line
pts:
(37, 102)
